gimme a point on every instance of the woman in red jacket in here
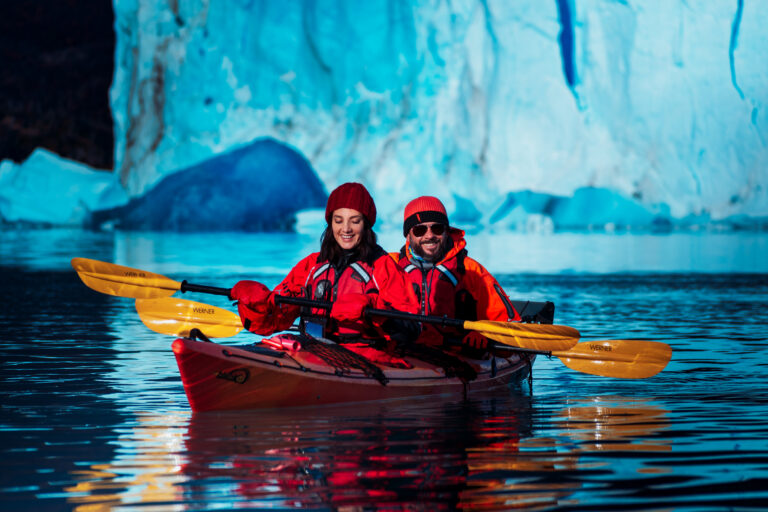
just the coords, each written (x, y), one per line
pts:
(351, 270)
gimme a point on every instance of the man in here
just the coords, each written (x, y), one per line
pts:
(446, 280)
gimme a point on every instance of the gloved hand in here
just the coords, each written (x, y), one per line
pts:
(251, 293)
(349, 307)
(291, 290)
(475, 340)
(402, 331)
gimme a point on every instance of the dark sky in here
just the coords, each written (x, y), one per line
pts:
(56, 64)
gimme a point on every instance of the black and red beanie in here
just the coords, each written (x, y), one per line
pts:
(423, 209)
(354, 196)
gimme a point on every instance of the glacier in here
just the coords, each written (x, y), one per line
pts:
(533, 114)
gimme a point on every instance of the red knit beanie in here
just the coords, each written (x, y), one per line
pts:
(354, 196)
(423, 209)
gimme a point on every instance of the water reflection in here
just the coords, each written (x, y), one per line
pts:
(145, 470)
(541, 470)
(495, 454)
(92, 402)
(385, 455)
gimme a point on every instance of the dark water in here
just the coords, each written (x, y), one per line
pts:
(93, 415)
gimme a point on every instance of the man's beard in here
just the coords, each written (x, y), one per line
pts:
(444, 245)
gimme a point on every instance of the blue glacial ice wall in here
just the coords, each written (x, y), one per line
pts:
(636, 110)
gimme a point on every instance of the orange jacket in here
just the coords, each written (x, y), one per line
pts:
(457, 286)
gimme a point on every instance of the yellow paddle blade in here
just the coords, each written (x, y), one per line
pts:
(623, 359)
(533, 336)
(176, 317)
(123, 281)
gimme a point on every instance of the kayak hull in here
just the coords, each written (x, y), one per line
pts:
(218, 377)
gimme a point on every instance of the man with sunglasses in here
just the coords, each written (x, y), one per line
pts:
(446, 280)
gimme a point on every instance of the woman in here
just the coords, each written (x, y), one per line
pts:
(351, 271)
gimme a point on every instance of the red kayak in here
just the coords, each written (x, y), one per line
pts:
(294, 373)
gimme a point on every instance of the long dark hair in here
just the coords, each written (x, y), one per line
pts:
(366, 250)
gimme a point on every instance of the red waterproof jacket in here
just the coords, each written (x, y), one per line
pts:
(456, 286)
(382, 281)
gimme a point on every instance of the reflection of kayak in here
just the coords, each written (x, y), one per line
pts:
(256, 376)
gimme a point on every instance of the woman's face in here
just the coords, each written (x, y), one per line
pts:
(347, 226)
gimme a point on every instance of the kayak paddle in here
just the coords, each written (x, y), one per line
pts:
(514, 334)
(124, 281)
(177, 317)
(625, 359)
(130, 282)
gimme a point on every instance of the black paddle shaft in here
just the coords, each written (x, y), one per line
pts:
(385, 313)
(389, 313)
(211, 290)
(319, 304)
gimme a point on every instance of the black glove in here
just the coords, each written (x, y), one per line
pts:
(402, 331)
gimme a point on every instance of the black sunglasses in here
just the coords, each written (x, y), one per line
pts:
(421, 229)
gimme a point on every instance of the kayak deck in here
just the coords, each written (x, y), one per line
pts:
(219, 377)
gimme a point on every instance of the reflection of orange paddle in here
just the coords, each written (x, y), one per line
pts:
(627, 359)
(615, 423)
(144, 473)
(138, 284)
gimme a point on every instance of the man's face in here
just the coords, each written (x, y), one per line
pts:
(428, 240)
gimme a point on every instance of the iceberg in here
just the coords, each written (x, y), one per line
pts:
(589, 207)
(258, 187)
(48, 190)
